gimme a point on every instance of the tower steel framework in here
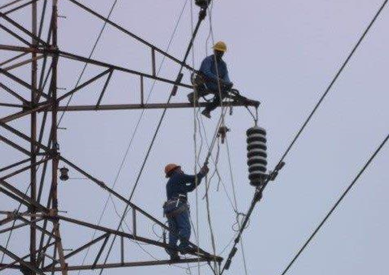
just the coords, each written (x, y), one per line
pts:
(43, 218)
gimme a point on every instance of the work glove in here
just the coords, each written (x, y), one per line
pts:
(204, 170)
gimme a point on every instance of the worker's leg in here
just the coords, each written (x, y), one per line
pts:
(215, 103)
(183, 224)
(173, 236)
(194, 96)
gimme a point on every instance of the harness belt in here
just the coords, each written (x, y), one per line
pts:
(178, 209)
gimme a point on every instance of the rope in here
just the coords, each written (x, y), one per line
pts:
(213, 240)
(137, 126)
(220, 122)
(209, 155)
(236, 204)
(336, 205)
(215, 160)
(214, 139)
(201, 17)
(197, 236)
(217, 170)
(235, 207)
(211, 35)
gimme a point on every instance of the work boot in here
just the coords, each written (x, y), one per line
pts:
(206, 113)
(174, 257)
(187, 249)
(191, 98)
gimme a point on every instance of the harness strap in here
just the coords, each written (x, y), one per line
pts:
(177, 211)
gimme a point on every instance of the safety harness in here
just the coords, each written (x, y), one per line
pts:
(178, 209)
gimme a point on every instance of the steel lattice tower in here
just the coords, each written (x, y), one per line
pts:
(40, 217)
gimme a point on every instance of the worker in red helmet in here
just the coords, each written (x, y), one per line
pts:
(176, 207)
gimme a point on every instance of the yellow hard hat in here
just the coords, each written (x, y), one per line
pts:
(220, 46)
(170, 168)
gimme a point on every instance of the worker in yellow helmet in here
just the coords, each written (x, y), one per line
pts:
(176, 207)
(214, 74)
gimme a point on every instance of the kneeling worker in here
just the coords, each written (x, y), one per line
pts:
(176, 208)
(214, 75)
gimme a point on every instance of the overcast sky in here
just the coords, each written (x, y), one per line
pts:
(283, 53)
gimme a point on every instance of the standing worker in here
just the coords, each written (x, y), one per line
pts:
(214, 75)
(176, 207)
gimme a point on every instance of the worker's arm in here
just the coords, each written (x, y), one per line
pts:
(189, 181)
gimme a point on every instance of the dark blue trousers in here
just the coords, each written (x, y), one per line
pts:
(180, 227)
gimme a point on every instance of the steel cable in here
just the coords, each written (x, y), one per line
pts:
(336, 205)
(328, 89)
(196, 155)
(332, 82)
(86, 64)
(138, 123)
(201, 17)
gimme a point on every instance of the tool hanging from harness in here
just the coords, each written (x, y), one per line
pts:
(175, 206)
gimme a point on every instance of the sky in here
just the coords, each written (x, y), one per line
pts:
(282, 53)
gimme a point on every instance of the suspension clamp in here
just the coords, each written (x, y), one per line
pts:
(202, 14)
(258, 195)
(273, 174)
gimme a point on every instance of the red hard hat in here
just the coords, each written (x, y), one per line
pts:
(170, 168)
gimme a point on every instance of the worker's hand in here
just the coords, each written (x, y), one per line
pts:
(204, 170)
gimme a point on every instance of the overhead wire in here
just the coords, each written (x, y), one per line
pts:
(201, 17)
(209, 155)
(109, 196)
(333, 208)
(89, 57)
(210, 147)
(13, 224)
(215, 172)
(236, 205)
(200, 122)
(222, 122)
(196, 155)
(328, 89)
(259, 191)
(206, 161)
(216, 168)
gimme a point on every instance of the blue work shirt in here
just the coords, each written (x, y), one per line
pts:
(208, 68)
(180, 183)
